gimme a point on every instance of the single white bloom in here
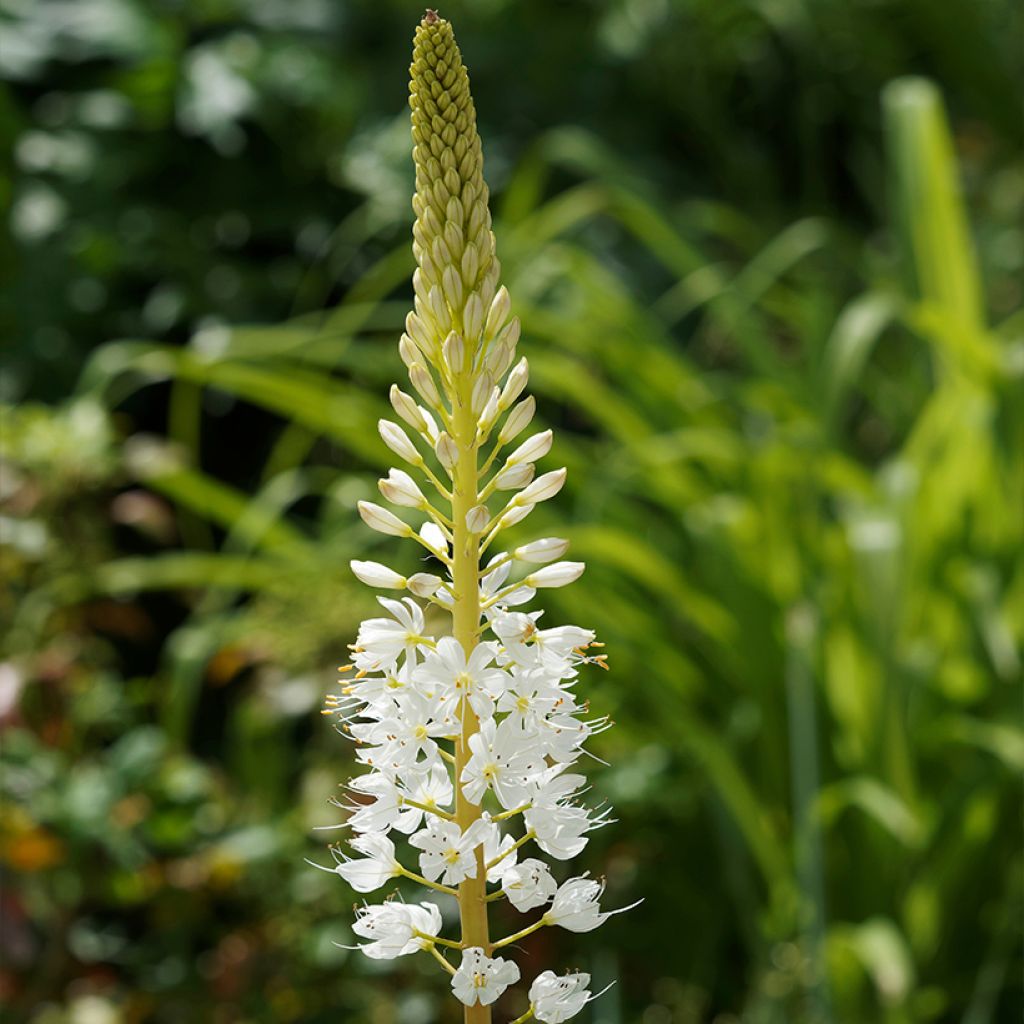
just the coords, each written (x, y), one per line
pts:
(501, 761)
(481, 979)
(447, 853)
(381, 641)
(373, 574)
(575, 906)
(555, 999)
(373, 870)
(559, 574)
(474, 678)
(528, 885)
(391, 928)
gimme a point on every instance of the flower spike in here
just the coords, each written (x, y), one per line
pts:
(467, 740)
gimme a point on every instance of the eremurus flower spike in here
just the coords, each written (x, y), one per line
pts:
(465, 735)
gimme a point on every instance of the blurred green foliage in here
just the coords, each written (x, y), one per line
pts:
(778, 330)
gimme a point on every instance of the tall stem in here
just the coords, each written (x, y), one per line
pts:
(465, 620)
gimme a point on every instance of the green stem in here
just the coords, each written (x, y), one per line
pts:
(465, 622)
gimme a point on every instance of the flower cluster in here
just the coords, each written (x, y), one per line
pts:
(468, 740)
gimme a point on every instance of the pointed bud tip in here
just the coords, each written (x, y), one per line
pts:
(430, 17)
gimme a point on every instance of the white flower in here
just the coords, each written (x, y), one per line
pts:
(447, 853)
(555, 999)
(481, 979)
(373, 870)
(391, 927)
(528, 885)
(500, 761)
(382, 641)
(575, 906)
(473, 678)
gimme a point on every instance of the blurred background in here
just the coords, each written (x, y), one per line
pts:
(769, 257)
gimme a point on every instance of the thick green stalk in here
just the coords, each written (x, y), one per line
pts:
(465, 622)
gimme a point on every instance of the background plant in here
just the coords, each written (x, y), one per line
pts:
(810, 444)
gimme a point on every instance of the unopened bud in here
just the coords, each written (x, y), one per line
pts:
(532, 449)
(518, 419)
(398, 441)
(516, 382)
(498, 313)
(511, 478)
(447, 451)
(400, 489)
(544, 487)
(423, 382)
(454, 352)
(407, 409)
(423, 584)
(477, 518)
(547, 549)
(383, 521)
(373, 574)
(559, 574)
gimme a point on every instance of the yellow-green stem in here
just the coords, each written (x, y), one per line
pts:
(465, 622)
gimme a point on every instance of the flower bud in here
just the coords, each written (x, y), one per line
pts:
(383, 521)
(498, 313)
(516, 382)
(400, 489)
(489, 413)
(373, 574)
(547, 549)
(532, 449)
(408, 351)
(398, 441)
(516, 514)
(518, 420)
(447, 451)
(407, 409)
(477, 518)
(511, 478)
(454, 352)
(423, 584)
(559, 574)
(473, 319)
(481, 393)
(423, 382)
(544, 487)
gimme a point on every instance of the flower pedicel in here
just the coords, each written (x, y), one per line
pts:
(468, 740)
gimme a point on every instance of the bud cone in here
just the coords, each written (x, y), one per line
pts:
(453, 224)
